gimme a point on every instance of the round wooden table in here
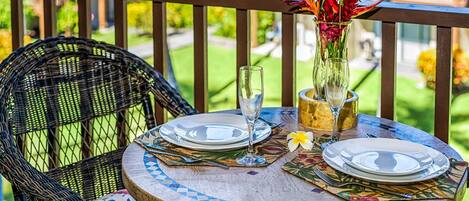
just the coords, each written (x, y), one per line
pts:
(153, 180)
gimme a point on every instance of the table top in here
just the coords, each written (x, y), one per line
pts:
(146, 178)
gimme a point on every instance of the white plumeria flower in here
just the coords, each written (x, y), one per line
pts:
(305, 139)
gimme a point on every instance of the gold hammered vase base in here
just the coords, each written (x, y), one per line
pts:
(316, 114)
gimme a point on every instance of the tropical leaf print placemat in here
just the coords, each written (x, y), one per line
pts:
(272, 148)
(443, 187)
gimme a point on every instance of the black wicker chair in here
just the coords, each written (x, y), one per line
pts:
(69, 108)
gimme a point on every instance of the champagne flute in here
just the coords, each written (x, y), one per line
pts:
(337, 77)
(251, 95)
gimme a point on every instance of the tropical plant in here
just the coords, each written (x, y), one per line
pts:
(5, 43)
(426, 62)
(5, 21)
(265, 23)
(67, 16)
(224, 21)
(140, 15)
(179, 15)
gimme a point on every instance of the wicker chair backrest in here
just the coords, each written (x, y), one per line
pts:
(52, 86)
(68, 81)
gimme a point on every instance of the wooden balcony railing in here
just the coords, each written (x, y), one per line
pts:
(389, 13)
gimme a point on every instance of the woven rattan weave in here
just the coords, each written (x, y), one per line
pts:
(69, 108)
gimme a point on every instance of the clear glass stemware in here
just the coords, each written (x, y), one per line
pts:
(251, 96)
(337, 78)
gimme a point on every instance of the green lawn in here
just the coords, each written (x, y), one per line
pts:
(134, 39)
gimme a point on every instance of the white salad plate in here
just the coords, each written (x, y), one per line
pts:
(209, 129)
(212, 132)
(386, 160)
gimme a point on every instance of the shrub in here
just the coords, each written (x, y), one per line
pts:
(224, 21)
(179, 15)
(427, 64)
(140, 15)
(265, 21)
(5, 43)
(67, 18)
(5, 22)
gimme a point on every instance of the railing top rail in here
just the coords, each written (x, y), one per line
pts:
(387, 11)
(420, 14)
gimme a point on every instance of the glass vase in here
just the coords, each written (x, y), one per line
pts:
(331, 42)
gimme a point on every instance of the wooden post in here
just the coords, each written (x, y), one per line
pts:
(50, 18)
(288, 59)
(243, 47)
(160, 47)
(200, 58)
(388, 70)
(120, 16)
(17, 23)
(443, 83)
(84, 31)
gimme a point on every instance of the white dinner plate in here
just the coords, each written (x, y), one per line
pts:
(403, 158)
(209, 129)
(214, 120)
(333, 157)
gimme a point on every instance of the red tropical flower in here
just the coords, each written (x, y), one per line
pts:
(331, 10)
(304, 6)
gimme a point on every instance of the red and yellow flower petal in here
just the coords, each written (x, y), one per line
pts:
(363, 9)
(334, 4)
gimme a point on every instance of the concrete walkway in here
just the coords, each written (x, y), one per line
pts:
(182, 39)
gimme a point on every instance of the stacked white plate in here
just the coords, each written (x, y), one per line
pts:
(212, 132)
(386, 160)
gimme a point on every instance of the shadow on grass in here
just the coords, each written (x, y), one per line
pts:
(419, 117)
(459, 134)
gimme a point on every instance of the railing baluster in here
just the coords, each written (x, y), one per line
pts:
(243, 43)
(17, 31)
(160, 47)
(84, 18)
(50, 18)
(443, 82)
(84, 29)
(388, 70)
(17, 23)
(200, 58)
(50, 23)
(120, 17)
(288, 59)
(120, 24)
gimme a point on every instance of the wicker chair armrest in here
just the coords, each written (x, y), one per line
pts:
(33, 184)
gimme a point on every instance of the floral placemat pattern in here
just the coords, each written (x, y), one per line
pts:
(443, 187)
(272, 148)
